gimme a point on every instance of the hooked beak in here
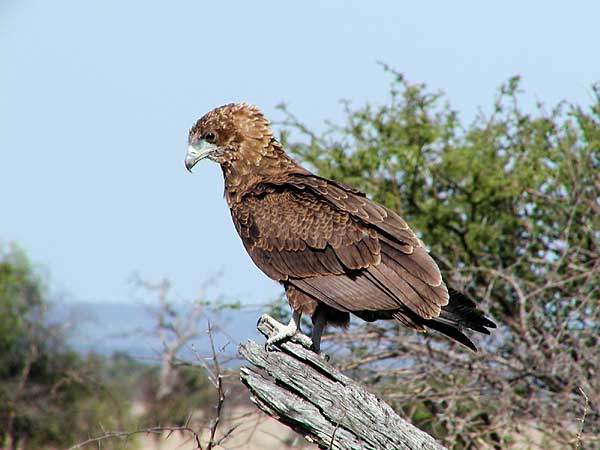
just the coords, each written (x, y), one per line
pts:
(197, 151)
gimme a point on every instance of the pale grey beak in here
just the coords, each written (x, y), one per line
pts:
(197, 151)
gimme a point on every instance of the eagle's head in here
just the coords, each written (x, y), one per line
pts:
(227, 134)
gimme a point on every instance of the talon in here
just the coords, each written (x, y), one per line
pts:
(264, 318)
(282, 334)
(285, 332)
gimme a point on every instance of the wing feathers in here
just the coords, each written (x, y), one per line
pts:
(352, 294)
(297, 235)
(418, 263)
(313, 290)
(404, 292)
(336, 246)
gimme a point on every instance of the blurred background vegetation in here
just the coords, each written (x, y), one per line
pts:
(50, 395)
(509, 204)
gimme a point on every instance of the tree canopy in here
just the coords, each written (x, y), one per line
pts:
(50, 395)
(509, 204)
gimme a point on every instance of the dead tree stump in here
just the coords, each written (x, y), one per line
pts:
(305, 392)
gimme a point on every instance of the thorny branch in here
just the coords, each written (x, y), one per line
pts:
(216, 376)
(128, 434)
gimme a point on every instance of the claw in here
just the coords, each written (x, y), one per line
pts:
(285, 332)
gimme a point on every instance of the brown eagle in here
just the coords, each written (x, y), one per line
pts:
(334, 251)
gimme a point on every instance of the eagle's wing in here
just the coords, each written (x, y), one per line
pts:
(336, 246)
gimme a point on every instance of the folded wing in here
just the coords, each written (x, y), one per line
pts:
(336, 246)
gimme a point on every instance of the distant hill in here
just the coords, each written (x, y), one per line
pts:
(106, 328)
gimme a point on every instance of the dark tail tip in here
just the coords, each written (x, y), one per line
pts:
(460, 313)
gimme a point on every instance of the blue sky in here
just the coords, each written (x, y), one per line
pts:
(96, 99)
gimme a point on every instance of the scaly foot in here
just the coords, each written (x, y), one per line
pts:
(285, 332)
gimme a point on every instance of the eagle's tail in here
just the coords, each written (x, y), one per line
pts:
(461, 312)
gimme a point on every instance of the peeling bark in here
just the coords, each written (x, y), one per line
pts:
(302, 390)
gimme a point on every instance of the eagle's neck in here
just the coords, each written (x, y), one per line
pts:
(253, 167)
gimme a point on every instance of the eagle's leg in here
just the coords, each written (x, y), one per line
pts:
(319, 321)
(285, 332)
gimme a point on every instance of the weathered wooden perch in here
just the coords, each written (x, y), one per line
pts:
(312, 397)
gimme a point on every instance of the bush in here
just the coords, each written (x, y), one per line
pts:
(510, 207)
(50, 395)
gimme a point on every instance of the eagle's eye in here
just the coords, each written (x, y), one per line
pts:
(209, 137)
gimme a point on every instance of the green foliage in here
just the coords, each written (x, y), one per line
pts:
(469, 190)
(50, 395)
(510, 207)
(485, 195)
(20, 295)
